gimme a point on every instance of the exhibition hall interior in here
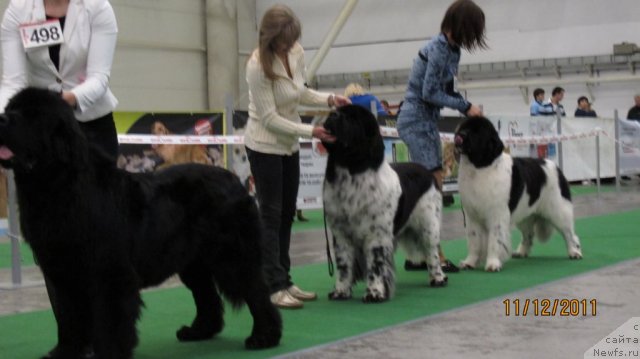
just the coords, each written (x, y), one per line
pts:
(319, 179)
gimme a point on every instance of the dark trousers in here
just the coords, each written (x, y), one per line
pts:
(102, 132)
(276, 178)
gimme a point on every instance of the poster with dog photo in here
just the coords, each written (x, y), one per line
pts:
(147, 158)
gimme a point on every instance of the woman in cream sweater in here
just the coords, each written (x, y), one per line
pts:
(276, 79)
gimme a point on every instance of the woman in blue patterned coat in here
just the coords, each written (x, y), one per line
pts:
(432, 87)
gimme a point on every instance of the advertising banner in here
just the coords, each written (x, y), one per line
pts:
(629, 146)
(149, 157)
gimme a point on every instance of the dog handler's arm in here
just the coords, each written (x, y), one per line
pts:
(261, 94)
(14, 59)
(432, 87)
(104, 33)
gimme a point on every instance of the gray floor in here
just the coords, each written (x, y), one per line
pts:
(478, 331)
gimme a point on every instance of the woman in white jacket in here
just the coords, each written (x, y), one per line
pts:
(66, 46)
(275, 75)
(76, 64)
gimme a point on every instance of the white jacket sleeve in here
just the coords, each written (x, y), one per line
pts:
(261, 91)
(14, 59)
(104, 33)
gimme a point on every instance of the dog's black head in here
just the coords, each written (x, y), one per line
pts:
(477, 139)
(39, 130)
(358, 145)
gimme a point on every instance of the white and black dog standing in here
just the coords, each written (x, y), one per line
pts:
(498, 191)
(372, 206)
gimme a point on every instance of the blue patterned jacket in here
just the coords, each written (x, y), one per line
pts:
(432, 76)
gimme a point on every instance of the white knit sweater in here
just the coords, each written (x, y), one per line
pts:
(274, 123)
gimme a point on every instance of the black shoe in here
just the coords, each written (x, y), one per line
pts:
(448, 200)
(410, 266)
(300, 217)
(449, 267)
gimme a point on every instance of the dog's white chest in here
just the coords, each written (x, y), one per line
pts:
(481, 187)
(355, 203)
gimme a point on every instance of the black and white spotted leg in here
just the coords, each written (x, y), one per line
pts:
(436, 275)
(380, 273)
(345, 261)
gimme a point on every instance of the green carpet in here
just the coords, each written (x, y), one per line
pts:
(26, 258)
(606, 240)
(315, 222)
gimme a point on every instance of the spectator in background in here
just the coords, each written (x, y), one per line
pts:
(584, 108)
(386, 106)
(537, 107)
(634, 112)
(554, 102)
(359, 97)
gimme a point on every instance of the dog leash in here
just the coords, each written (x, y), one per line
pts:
(464, 216)
(326, 236)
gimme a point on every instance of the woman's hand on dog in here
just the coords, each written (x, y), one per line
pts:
(474, 111)
(338, 101)
(323, 135)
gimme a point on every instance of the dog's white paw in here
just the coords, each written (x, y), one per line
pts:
(493, 265)
(439, 282)
(375, 296)
(575, 254)
(340, 295)
(521, 252)
(467, 264)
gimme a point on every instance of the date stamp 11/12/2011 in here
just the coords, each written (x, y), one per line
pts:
(550, 307)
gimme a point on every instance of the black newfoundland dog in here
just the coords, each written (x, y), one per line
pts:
(101, 234)
(498, 192)
(372, 206)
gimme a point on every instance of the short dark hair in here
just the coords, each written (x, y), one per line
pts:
(582, 98)
(556, 90)
(537, 92)
(465, 20)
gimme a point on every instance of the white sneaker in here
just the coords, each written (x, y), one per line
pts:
(282, 299)
(301, 294)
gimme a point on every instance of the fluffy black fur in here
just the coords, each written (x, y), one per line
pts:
(371, 207)
(101, 234)
(415, 180)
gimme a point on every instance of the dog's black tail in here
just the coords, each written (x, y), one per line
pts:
(242, 253)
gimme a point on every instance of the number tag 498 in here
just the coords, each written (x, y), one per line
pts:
(41, 34)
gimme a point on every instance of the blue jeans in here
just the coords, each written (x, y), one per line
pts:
(418, 128)
(276, 178)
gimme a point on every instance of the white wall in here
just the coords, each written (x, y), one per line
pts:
(517, 29)
(160, 62)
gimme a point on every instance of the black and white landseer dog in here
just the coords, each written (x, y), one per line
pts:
(498, 191)
(100, 234)
(371, 207)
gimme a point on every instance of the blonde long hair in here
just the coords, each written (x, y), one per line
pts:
(279, 25)
(353, 89)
